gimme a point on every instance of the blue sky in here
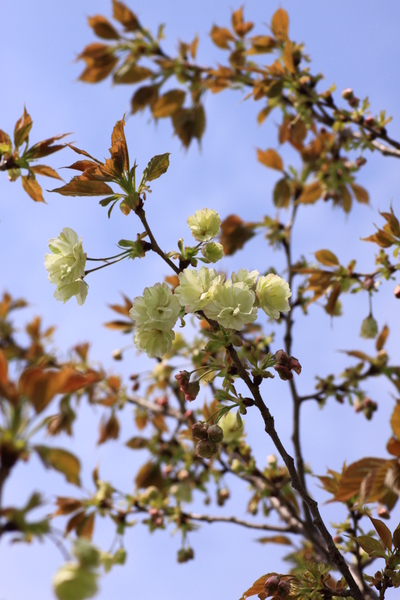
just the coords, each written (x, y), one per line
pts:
(355, 46)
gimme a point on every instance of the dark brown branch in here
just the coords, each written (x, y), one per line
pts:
(334, 554)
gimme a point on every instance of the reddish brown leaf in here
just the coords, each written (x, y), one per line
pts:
(383, 531)
(62, 461)
(32, 188)
(119, 149)
(280, 24)
(393, 447)
(275, 539)
(189, 123)
(310, 193)
(331, 304)
(86, 526)
(144, 96)
(166, 105)
(354, 475)
(234, 234)
(103, 28)
(67, 506)
(3, 368)
(282, 193)
(240, 27)
(360, 194)
(125, 16)
(261, 44)
(46, 171)
(74, 522)
(149, 474)
(130, 72)
(395, 420)
(82, 187)
(221, 37)
(288, 56)
(109, 430)
(326, 257)
(270, 158)
(380, 342)
(22, 129)
(258, 586)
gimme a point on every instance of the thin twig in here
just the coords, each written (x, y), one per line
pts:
(249, 524)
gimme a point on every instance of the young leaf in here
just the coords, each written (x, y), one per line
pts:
(383, 531)
(156, 167)
(326, 257)
(371, 546)
(166, 105)
(280, 24)
(84, 187)
(60, 460)
(270, 158)
(32, 187)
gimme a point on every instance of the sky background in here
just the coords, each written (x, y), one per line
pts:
(355, 45)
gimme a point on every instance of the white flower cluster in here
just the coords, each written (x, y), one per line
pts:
(66, 266)
(232, 304)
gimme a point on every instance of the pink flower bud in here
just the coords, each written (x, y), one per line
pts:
(347, 94)
(294, 365)
(191, 391)
(284, 372)
(271, 585)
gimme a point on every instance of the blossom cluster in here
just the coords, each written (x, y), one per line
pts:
(232, 304)
(66, 266)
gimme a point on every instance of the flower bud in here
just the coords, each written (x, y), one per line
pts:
(369, 328)
(369, 121)
(213, 251)
(396, 291)
(360, 161)
(347, 94)
(294, 365)
(215, 433)
(117, 354)
(383, 512)
(183, 379)
(206, 449)
(192, 390)
(283, 589)
(185, 554)
(284, 372)
(354, 102)
(271, 585)
(200, 431)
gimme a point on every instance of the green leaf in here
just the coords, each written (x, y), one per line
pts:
(62, 461)
(157, 166)
(371, 546)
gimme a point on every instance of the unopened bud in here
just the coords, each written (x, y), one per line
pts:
(206, 449)
(294, 365)
(347, 94)
(199, 431)
(383, 512)
(368, 283)
(271, 585)
(192, 390)
(117, 354)
(369, 121)
(215, 433)
(284, 372)
(360, 161)
(354, 102)
(283, 589)
(396, 291)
